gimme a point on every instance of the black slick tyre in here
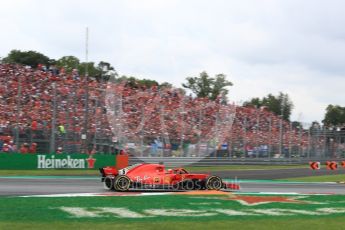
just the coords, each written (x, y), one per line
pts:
(213, 183)
(122, 183)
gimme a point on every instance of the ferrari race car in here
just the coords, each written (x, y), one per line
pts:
(155, 176)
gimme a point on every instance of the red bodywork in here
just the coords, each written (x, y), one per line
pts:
(156, 176)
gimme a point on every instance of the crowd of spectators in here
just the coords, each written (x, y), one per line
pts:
(27, 99)
(122, 112)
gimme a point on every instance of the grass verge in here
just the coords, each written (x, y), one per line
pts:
(46, 213)
(293, 224)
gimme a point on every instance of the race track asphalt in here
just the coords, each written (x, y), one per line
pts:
(276, 173)
(44, 186)
(257, 181)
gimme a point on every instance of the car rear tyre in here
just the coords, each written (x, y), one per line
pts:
(109, 183)
(122, 183)
(214, 183)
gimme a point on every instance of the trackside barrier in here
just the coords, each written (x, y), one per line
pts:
(331, 165)
(315, 165)
(19, 161)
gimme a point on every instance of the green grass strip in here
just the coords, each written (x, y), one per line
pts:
(325, 178)
(45, 213)
(269, 224)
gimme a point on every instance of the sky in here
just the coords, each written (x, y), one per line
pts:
(262, 46)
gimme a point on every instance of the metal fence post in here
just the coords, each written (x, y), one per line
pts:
(19, 95)
(309, 144)
(269, 137)
(52, 135)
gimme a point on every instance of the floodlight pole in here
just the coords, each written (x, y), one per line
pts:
(86, 114)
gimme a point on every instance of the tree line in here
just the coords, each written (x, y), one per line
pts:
(68, 63)
(203, 85)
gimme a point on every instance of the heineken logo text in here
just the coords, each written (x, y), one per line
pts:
(50, 162)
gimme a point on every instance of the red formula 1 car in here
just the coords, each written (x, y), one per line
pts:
(154, 176)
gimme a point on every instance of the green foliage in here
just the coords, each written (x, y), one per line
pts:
(165, 85)
(279, 105)
(296, 125)
(134, 82)
(206, 86)
(30, 58)
(335, 115)
(105, 66)
(102, 70)
(315, 125)
(106, 71)
(90, 69)
(147, 82)
(68, 63)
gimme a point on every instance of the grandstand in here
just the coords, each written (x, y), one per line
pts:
(46, 109)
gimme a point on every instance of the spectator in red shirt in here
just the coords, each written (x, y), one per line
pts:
(33, 148)
(24, 148)
(34, 125)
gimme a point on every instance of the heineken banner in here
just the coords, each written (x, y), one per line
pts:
(57, 161)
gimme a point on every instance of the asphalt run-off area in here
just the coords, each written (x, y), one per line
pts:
(251, 181)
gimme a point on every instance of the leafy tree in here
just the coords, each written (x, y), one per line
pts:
(30, 58)
(254, 102)
(33, 58)
(219, 86)
(106, 71)
(52, 62)
(296, 124)
(91, 69)
(103, 69)
(68, 63)
(134, 82)
(105, 66)
(279, 105)
(165, 85)
(107, 75)
(315, 125)
(206, 86)
(335, 115)
(147, 82)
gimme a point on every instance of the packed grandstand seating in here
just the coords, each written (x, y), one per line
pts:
(27, 100)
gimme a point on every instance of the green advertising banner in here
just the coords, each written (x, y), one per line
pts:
(49, 161)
